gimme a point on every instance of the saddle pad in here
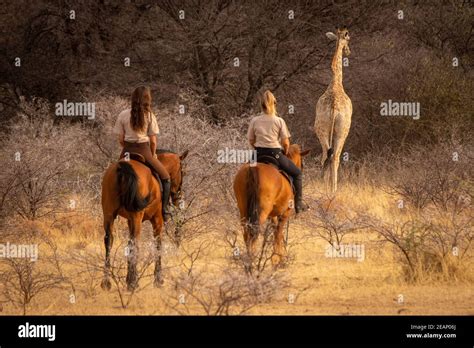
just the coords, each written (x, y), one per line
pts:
(267, 159)
(135, 156)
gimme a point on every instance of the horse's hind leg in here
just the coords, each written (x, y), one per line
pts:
(108, 241)
(250, 237)
(248, 242)
(279, 250)
(134, 226)
(157, 223)
(251, 233)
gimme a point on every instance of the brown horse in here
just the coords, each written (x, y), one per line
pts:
(130, 190)
(263, 193)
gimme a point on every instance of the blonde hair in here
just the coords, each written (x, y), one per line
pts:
(268, 103)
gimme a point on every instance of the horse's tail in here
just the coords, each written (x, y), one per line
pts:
(331, 145)
(253, 206)
(128, 188)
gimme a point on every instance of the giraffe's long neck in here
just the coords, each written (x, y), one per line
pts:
(336, 66)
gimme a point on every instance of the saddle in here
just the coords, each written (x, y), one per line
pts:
(268, 159)
(140, 158)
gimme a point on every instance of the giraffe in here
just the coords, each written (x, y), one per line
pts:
(333, 113)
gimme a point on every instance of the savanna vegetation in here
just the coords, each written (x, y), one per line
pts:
(406, 187)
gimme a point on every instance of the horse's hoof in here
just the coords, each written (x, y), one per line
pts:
(158, 283)
(276, 260)
(132, 287)
(106, 285)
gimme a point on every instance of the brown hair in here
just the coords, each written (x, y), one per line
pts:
(141, 104)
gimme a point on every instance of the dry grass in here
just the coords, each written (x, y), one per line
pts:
(316, 284)
(202, 275)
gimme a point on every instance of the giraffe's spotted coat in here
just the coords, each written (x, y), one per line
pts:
(334, 111)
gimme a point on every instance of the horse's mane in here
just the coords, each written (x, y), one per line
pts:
(158, 151)
(294, 149)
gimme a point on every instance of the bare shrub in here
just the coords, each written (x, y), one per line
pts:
(225, 290)
(229, 293)
(24, 278)
(239, 254)
(104, 147)
(430, 245)
(41, 159)
(438, 176)
(333, 223)
(92, 263)
(188, 217)
(23, 281)
(435, 228)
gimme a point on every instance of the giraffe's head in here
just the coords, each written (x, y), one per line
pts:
(342, 37)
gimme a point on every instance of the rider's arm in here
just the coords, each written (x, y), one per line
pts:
(285, 143)
(284, 136)
(251, 134)
(153, 144)
(119, 130)
(153, 130)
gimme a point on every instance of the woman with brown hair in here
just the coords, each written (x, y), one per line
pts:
(137, 130)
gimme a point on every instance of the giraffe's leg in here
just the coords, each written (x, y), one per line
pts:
(334, 168)
(324, 154)
(324, 146)
(338, 145)
(324, 141)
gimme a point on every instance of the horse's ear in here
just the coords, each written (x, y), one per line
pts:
(183, 155)
(305, 152)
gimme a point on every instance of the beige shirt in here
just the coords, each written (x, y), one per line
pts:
(267, 131)
(123, 127)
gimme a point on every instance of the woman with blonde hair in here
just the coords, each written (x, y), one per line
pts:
(269, 136)
(137, 130)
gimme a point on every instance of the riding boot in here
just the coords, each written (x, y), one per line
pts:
(299, 205)
(166, 198)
